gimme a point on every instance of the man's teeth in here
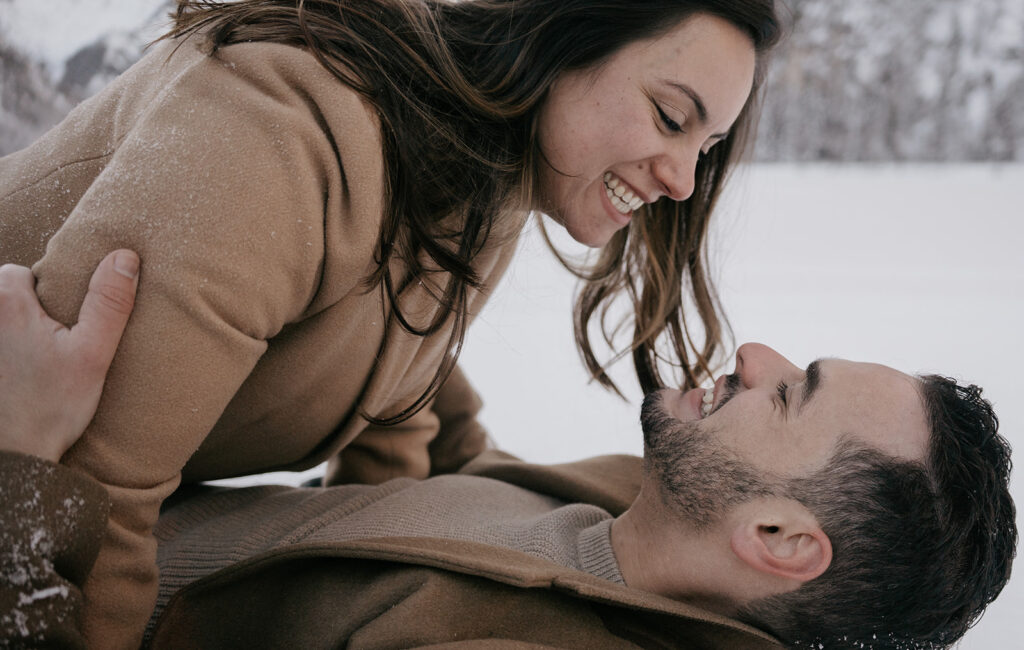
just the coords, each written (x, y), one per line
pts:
(624, 200)
(707, 402)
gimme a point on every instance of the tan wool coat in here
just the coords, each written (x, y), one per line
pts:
(251, 184)
(312, 591)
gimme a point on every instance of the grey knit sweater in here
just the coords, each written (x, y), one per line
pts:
(216, 527)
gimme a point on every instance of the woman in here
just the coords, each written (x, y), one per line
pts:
(324, 195)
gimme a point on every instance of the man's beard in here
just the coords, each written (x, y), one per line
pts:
(699, 478)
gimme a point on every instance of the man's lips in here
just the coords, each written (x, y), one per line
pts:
(726, 387)
(695, 400)
(695, 397)
(720, 390)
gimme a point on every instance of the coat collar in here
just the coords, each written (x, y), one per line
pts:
(663, 618)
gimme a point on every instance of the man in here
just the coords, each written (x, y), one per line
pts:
(845, 504)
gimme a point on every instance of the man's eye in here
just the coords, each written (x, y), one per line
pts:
(669, 123)
(781, 389)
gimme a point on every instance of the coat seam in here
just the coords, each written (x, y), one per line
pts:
(57, 170)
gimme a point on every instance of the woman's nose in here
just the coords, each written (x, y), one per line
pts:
(675, 173)
(759, 365)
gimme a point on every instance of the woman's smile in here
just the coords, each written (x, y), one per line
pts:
(630, 131)
(622, 198)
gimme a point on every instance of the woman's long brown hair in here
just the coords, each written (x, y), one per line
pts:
(457, 86)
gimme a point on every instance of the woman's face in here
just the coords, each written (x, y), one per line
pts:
(630, 131)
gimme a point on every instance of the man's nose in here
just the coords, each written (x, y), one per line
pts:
(675, 172)
(759, 365)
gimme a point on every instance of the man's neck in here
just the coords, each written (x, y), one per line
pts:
(658, 556)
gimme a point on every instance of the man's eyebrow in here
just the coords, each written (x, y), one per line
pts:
(812, 381)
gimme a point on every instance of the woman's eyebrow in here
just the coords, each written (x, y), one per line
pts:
(702, 110)
(698, 101)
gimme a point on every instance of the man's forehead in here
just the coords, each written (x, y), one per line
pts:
(870, 378)
(881, 405)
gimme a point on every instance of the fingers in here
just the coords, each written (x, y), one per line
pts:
(106, 308)
(13, 276)
(17, 295)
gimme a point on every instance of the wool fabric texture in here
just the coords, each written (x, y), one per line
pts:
(251, 184)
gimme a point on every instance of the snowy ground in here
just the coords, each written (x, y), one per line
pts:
(916, 267)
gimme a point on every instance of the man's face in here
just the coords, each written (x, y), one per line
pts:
(771, 421)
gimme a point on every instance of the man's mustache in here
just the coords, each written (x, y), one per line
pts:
(729, 389)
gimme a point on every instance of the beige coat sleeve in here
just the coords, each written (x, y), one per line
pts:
(439, 439)
(219, 186)
(51, 525)
(461, 436)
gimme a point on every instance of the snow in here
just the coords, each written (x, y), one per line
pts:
(41, 594)
(917, 267)
(73, 24)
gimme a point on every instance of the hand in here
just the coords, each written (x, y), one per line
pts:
(51, 377)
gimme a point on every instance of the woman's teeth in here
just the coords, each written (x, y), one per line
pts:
(707, 402)
(622, 198)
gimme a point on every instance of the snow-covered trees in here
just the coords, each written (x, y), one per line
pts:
(857, 80)
(897, 80)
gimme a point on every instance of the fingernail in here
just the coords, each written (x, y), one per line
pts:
(127, 264)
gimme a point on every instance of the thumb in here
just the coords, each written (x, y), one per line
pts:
(107, 306)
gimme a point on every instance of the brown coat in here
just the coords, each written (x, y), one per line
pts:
(374, 593)
(251, 185)
(51, 525)
(419, 592)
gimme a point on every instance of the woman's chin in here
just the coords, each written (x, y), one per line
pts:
(593, 231)
(590, 234)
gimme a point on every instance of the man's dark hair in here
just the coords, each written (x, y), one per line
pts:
(918, 551)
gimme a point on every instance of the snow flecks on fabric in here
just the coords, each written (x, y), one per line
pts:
(40, 594)
(40, 530)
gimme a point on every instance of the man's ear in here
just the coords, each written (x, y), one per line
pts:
(784, 541)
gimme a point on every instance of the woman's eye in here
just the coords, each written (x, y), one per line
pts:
(669, 123)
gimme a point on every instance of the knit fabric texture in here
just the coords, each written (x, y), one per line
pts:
(217, 527)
